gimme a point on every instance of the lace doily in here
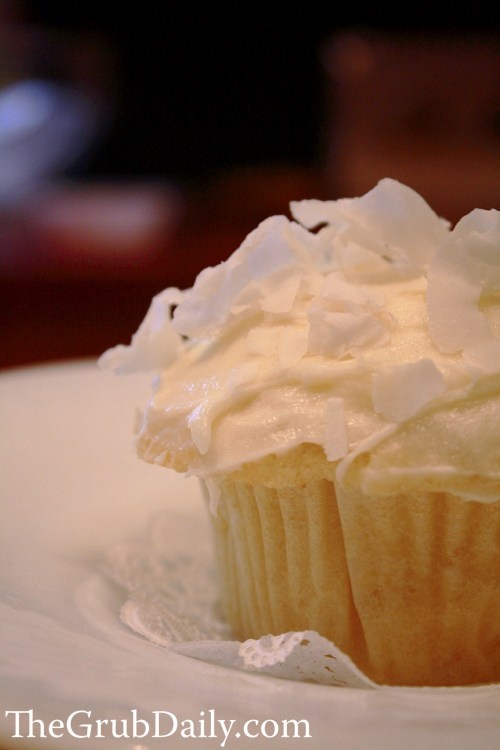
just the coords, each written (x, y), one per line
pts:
(172, 601)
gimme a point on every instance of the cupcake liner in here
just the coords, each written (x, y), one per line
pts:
(282, 563)
(406, 585)
(425, 576)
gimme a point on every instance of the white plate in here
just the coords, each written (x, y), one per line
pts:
(71, 484)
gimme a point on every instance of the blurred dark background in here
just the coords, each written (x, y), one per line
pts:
(139, 145)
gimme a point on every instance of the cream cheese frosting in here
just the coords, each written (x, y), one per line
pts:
(365, 326)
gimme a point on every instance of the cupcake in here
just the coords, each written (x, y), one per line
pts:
(335, 385)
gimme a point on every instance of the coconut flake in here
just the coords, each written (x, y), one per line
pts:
(280, 297)
(401, 218)
(359, 264)
(336, 442)
(315, 249)
(292, 345)
(338, 334)
(237, 286)
(336, 287)
(200, 426)
(155, 345)
(201, 418)
(391, 220)
(401, 391)
(464, 268)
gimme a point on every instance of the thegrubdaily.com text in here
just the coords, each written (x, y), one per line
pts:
(161, 724)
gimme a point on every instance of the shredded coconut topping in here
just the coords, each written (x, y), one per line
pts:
(354, 315)
(400, 391)
(465, 268)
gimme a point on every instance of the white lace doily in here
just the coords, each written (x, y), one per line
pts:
(172, 601)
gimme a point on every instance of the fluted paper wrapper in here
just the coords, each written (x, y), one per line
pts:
(173, 592)
(282, 564)
(406, 585)
(425, 576)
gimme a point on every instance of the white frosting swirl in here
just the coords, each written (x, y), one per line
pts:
(350, 327)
